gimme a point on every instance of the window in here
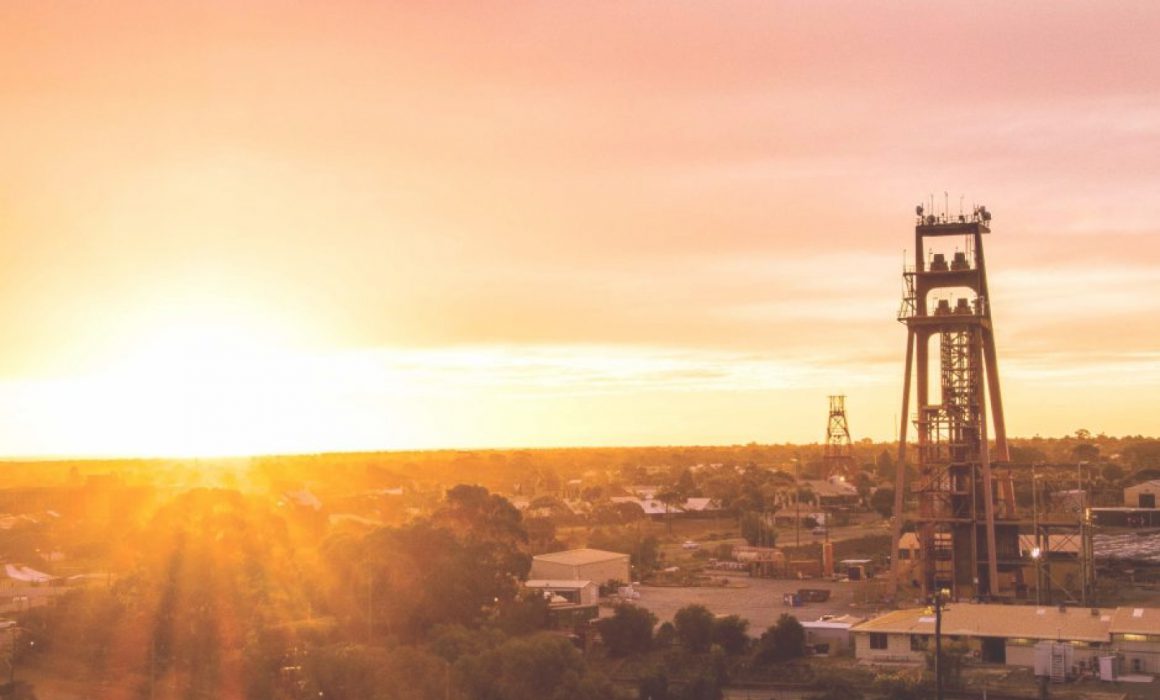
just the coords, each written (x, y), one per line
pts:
(918, 642)
(877, 640)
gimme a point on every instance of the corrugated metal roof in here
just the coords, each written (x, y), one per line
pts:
(578, 557)
(988, 620)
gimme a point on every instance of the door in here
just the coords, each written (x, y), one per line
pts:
(1147, 500)
(994, 650)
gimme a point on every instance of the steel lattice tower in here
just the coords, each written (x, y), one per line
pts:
(962, 542)
(838, 457)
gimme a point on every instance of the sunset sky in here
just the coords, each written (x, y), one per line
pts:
(234, 227)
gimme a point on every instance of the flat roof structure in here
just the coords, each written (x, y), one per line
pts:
(990, 620)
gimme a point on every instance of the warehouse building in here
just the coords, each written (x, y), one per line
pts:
(582, 565)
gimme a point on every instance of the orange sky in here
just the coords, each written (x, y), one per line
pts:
(255, 226)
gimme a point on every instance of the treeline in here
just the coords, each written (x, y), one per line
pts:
(530, 471)
(226, 595)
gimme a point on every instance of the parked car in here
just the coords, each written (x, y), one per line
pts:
(689, 544)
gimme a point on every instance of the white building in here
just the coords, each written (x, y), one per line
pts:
(581, 565)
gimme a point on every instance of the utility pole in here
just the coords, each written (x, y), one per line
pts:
(797, 502)
(1036, 550)
(938, 681)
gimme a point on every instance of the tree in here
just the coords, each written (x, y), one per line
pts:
(404, 580)
(374, 673)
(694, 625)
(1085, 452)
(1112, 473)
(672, 498)
(542, 535)
(757, 531)
(531, 668)
(527, 613)
(1143, 454)
(653, 685)
(1024, 454)
(882, 501)
(643, 550)
(785, 640)
(629, 631)
(884, 465)
(666, 635)
(729, 632)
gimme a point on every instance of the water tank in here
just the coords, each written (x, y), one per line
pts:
(960, 261)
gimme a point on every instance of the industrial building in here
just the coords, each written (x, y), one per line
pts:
(582, 565)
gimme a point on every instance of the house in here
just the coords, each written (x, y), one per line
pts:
(701, 506)
(581, 565)
(1143, 495)
(835, 492)
(649, 506)
(803, 514)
